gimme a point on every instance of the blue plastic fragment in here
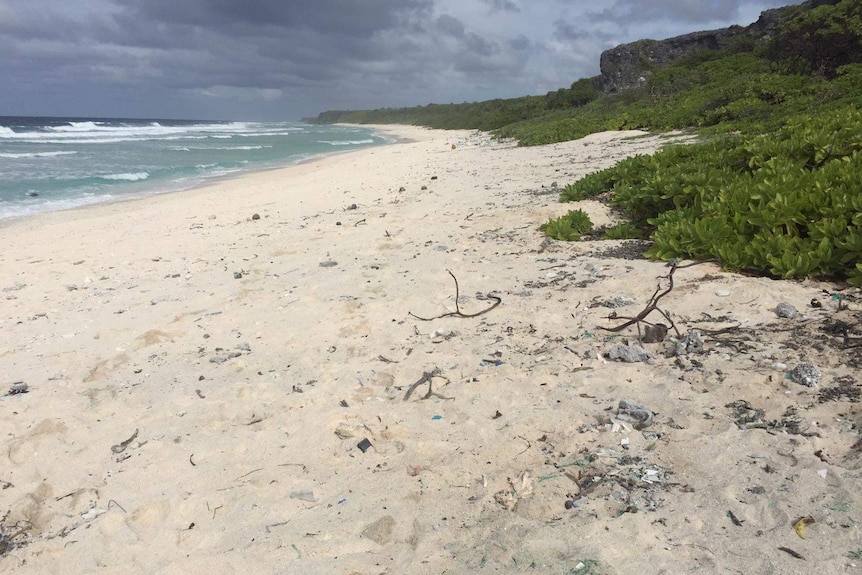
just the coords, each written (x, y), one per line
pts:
(437, 417)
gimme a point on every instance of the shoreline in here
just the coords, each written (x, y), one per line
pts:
(213, 392)
(211, 180)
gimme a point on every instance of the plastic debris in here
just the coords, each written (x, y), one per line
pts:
(364, 445)
(304, 495)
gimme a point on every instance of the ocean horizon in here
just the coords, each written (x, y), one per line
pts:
(50, 164)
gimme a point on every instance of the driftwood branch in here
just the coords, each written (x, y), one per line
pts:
(458, 312)
(652, 304)
(427, 377)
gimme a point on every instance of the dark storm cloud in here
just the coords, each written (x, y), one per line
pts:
(347, 17)
(285, 58)
(502, 5)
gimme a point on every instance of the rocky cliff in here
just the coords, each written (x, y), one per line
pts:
(630, 65)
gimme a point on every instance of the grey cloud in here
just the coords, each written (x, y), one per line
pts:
(162, 54)
(626, 12)
(503, 5)
(450, 25)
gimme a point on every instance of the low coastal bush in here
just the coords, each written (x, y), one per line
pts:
(569, 227)
(786, 204)
(624, 231)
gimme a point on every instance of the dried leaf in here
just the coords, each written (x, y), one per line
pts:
(799, 525)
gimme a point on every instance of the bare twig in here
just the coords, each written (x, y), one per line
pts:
(652, 304)
(428, 377)
(458, 312)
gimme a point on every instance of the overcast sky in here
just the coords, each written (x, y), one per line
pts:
(285, 59)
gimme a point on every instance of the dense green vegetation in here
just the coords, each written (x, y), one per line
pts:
(750, 86)
(569, 227)
(775, 187)
(788, 204)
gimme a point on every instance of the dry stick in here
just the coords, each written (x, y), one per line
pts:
(458, 312)
(652, 304)
(428, 376)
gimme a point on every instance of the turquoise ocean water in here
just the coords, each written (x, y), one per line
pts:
(49, 164)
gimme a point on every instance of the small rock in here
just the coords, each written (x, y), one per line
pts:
(691, 342)
(654, 333)
(237, 275)
(722, 292)
(243, 346)
(805, 374)
(328, 264)
(785, 310)
(18, 387)
(255, 216)
(638, 415)
(424, 188)
(617, 301)
(628, 353)
(217, 359)
(381, 530)
(352, 207)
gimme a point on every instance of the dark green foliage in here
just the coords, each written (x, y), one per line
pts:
(811, 59)
(569, 227)
(787, 204)
(820, 40)
(624, 231)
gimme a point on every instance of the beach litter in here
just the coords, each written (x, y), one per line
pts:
(381, 530)
(364, 445)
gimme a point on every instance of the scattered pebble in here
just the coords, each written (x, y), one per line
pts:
(805, 374)
(785, 310)
(255, 216)
(722, 292)
(328, 264)
(638, 415)
(617, 301)
(628, 353)
(18, 387)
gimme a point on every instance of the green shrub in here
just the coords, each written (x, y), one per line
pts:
(569, 227)
(624, 231)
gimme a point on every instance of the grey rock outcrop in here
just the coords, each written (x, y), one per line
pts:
(629, 66)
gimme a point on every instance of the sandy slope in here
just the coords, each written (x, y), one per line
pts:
(251, 356)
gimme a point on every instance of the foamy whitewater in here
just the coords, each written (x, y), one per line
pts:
(51, 164)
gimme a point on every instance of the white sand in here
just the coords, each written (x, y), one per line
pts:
(115, 316)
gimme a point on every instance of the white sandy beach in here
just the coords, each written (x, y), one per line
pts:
(246, 359)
